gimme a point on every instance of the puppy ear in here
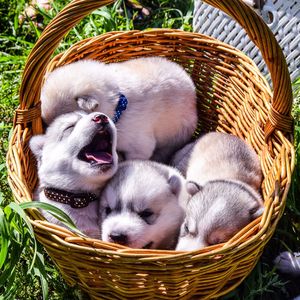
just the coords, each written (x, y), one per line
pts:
(256, 212)
(36, 145)
(219, 235)
(87, 104)
(193, 187)
(175, 184)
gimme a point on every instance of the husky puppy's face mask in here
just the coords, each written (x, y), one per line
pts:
(216, 211)
(140, 207)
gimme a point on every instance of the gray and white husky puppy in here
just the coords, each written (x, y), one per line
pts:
(160, 95)
(140, 205)
(76, 156)
(223, 180)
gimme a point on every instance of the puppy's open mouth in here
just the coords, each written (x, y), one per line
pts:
(148, 246)
(99, 151)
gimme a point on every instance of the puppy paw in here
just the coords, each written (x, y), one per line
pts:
(288, 263)
(87, 104)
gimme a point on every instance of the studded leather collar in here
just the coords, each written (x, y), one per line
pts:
(75, 200)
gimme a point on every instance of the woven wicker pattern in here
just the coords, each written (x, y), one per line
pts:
(233, 97)
(282, 16)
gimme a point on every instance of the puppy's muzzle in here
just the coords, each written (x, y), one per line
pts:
(101, 119)
(118, 238)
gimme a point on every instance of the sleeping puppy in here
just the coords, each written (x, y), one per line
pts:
(76, 156)
(223, 180)
(140, 206)
(157, 94)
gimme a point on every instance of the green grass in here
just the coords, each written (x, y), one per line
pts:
(25, 269)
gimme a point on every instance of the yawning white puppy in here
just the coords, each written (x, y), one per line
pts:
(76, 156)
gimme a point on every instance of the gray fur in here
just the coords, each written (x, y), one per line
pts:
(161, 114)
(140, 186)
(180, 159)
(224, 178)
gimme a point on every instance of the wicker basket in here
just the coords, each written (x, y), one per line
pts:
(233, 97)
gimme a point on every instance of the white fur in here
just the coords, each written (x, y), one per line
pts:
(136, 187)
(250, 2)
(59, 167)
(161, 114)
(223, 179)
(223, 156)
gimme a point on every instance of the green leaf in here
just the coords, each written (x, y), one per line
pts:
(17, 208)
(54, 211)
(4, 238)
(7, 275)
(40, 271)
(103, 13)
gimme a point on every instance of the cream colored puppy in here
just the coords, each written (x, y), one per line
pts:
(220, 156)
(223, 179)
(160, 96)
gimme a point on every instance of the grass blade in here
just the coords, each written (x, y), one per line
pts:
(4, 238)
(54, 211)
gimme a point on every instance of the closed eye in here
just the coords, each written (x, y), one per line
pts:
(189, 230)
(108, 210)
(69, 127)
(67, 131)
(184, 230)
(146, 215)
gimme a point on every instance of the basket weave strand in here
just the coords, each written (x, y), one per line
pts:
(232, 96)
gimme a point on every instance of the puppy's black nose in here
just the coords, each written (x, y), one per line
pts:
(119, 238)
(101, 119)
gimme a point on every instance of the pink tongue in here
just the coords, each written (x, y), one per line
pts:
(99, 157)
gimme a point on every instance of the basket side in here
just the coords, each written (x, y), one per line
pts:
(233, 97)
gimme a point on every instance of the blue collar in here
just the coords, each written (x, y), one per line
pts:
(121, 106)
